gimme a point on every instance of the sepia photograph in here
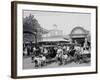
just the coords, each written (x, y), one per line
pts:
(56, 39)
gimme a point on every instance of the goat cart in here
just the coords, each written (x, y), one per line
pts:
(82, 57)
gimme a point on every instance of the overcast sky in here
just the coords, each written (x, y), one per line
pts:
(64, 20)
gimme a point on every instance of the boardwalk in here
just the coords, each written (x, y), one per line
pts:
(27, 64)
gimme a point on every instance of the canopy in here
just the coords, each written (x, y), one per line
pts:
(54, 40)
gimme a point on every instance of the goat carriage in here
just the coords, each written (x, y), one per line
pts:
(82, 55)
(62, 54)
(46, 56)
(75, 53)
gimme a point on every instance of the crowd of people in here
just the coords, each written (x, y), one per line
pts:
(60, 53)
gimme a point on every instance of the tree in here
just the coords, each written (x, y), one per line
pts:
(31, 26)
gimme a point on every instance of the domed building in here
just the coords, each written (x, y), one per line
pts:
(79, 35)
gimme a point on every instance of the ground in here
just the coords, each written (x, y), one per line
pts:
(27, 64)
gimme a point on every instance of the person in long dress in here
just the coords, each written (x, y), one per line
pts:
(59, 55)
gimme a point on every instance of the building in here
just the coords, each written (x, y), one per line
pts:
(29, 35)
(54, 35)
(79, 35)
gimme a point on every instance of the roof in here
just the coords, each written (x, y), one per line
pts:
(54, 39)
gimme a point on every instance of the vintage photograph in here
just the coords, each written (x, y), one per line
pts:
(54, 39)
(50, 39)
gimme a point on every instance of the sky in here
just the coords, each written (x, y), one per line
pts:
(65, 21)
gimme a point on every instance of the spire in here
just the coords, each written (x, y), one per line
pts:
(55, 26)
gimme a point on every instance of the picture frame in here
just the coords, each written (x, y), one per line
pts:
(79, 20)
